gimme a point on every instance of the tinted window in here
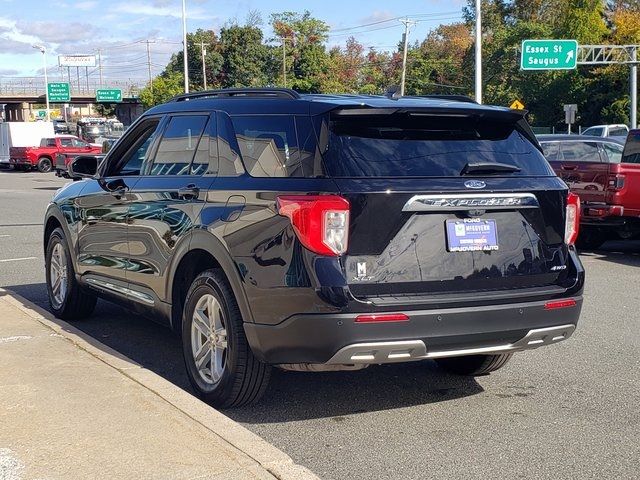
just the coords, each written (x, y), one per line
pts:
(206, 157)
(79, 143)
(66, 142)
(50, 142)
(618, 132)
(551, 151)
(178, 145)
(402, 145)
(613, 152)
(632, 148)
(229, 164)
(268, 145)
(580, 152)
(596, 132)
(134, 149)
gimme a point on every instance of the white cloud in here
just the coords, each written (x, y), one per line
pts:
(158, 9)
(86, 5)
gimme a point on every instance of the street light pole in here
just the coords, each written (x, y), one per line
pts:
(43, 50)
(478, 51)
(184, 46)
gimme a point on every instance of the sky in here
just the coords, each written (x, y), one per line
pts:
(121, 28)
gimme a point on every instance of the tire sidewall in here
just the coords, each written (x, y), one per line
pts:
(58, 237)
(45, 161)
(201, 286)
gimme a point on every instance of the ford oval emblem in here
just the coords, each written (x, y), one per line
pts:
(475, 184)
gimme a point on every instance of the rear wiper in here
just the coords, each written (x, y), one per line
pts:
(488, 167)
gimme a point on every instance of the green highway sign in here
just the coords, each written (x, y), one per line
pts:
(549, 55)
(110, 95)
(59, 92)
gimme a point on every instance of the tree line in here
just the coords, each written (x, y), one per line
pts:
(442, 63)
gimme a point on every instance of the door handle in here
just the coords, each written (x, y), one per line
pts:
(569, 167)
(189, 192)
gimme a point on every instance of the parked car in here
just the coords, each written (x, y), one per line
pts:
(61, 127)
(607, 183)
(42, 157)
(322, 232)
(618, 130)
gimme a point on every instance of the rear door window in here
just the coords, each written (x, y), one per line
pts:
(594, 131)
(613, 152)
(581, 152)
(401, 145)
(268, 145)
(551, 151)
(618, 132)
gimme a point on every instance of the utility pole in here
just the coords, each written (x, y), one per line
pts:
(203, 48)
(633, 83)
(478, 51)
(43, 50)
(407, 24)
(149, 65)
(284, 61)
(100, 65)
(184, 47)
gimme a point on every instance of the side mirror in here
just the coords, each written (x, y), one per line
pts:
(83, 166)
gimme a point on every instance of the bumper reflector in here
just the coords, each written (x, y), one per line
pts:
(383, 317)
(559, 304)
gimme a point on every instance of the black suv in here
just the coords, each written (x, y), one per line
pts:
(322, 232)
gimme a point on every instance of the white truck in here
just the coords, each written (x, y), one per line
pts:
(22, 134)
(616, 130)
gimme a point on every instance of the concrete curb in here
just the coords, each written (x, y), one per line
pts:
(275, 461)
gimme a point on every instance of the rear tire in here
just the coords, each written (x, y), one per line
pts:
(45, 165)
(474, 364)
(219, 361)
(67, 299)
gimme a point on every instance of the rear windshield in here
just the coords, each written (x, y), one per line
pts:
(402, 145)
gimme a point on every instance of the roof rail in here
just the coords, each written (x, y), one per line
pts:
(239, 92)
(455, 98)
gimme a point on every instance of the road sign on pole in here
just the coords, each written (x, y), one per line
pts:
(59, 92)
(549, 55)
(570, 111)
(110, 95)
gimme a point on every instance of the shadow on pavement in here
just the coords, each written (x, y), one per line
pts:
(291, 395)
(620, 252)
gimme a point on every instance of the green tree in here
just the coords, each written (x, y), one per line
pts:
(162, 88)
(213, 60)
(243, 57)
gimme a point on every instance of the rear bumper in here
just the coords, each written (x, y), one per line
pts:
(338, 339)
(20, 161)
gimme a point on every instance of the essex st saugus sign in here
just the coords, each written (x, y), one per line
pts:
(549, 55)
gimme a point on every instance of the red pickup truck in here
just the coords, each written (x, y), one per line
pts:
(605, 173)
(42, 157)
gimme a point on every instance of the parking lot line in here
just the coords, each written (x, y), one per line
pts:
(18, 259)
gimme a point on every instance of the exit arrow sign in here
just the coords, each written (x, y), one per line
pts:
(549, 55)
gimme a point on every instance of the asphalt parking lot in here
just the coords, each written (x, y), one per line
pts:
(567, 411)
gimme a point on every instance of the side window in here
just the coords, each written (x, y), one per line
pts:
(618, 132)
(66, 142)
(134, 149)
(551, 151)
(79, 143)
(51, 142)
(268, 145)
(580, 152)
(614, 152)
(229, 164)
(178, 145)
(206, 157)
(594, 131)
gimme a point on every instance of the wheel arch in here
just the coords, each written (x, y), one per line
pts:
(54, 219)
(202, 252)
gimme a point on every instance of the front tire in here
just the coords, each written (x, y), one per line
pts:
(219, 362)
(474, 364)
(67, 300)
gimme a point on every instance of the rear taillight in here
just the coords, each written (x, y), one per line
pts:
(382, 317)
(616, 182)
(554, 305)
(321, 222)
(572, 221)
